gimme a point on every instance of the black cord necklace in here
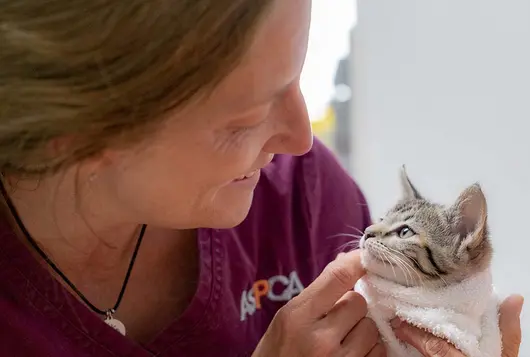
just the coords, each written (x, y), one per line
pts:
(109, 319)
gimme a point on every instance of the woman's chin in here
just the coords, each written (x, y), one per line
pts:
(231, 215)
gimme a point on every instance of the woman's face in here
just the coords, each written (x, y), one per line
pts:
(189, 174)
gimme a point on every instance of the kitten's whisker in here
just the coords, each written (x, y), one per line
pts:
(352, 245)
(421, 277)
(404, 261)
(402, 265)
(442, 279)
(387, 255)
(345, 235)
(409, 268)
(380, 248)
(404, 268)
(380, 252)
(380, 257)
(357, 229)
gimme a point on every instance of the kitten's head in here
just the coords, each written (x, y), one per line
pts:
(421, 243)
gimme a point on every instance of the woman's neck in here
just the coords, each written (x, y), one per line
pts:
(93, 246)
(76, 228)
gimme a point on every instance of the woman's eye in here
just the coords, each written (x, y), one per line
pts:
(406, 232)
(247, 127)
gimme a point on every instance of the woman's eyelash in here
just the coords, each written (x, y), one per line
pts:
(242, 129)
(237, 134)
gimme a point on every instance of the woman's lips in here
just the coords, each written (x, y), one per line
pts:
(247, 176)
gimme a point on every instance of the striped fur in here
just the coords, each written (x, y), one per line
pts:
(422, 243)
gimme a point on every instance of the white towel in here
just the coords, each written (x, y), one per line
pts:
(466, 314)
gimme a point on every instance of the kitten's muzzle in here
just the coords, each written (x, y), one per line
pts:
(369, 235)
(374, 231)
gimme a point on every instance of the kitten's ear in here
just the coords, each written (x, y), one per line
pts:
(408, 191)
(472, 212)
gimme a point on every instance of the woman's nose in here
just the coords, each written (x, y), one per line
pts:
(294, 135)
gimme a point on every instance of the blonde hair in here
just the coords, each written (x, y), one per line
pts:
(102, 73)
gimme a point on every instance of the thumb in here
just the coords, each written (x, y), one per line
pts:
(426, 344)
(338, 278)
(510, 325)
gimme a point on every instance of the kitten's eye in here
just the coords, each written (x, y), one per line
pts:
(406, 232)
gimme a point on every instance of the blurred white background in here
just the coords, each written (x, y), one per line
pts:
(443, 87)
(329, 41)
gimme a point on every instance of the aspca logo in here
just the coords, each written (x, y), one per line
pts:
(277, 288)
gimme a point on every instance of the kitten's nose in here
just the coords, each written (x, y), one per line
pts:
(368, 234)
(373, 231)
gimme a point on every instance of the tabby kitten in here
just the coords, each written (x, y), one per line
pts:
(421, 243)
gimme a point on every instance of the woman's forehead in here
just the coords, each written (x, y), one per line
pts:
(275, 57)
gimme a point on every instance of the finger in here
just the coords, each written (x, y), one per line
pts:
(337, 278)
(362, 339)
(340, 255)
(510, 325)
(427, 344)
(378, 351)
(344, 315)
(348, 296)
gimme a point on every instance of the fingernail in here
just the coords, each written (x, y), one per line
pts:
(520, 308)
(395, 323)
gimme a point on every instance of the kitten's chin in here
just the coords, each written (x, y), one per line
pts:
(365, 258)
(374, 265)
(371, 263)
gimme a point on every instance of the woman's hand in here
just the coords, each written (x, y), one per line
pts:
(326, 319)
(430, 346)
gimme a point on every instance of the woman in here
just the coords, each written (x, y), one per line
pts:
(126, 127)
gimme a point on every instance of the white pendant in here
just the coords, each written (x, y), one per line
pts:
(116, 324)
